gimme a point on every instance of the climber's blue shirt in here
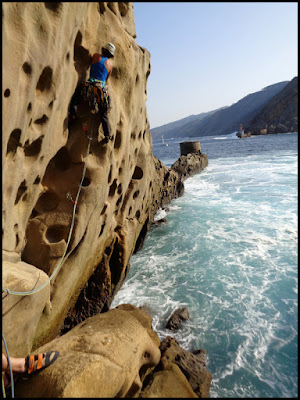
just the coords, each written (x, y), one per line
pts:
(98, 69)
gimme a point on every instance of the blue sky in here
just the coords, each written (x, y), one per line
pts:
(209, 55)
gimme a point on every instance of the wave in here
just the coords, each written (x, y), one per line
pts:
(229, 254)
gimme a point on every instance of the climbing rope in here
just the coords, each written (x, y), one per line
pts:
(30, 292)
(10, 370)
(3, 388)
(54, 272)
(69, 238)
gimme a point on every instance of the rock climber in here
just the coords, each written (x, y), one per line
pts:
(101, 68)
(28, 365)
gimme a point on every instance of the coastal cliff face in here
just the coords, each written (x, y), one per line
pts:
(81, 207)
(47, 48)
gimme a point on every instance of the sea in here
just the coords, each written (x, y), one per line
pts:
(229, 253)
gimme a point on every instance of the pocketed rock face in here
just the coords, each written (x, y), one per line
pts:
(98, 358)
(47, 48)
(190, 164)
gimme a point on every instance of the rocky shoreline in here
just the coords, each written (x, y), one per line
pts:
(190, 164)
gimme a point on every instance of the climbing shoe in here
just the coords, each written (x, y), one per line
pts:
(38, 362)
(108, 138)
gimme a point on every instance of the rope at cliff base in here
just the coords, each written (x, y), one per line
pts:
(3, 389)
(10, 370)
(69, 238)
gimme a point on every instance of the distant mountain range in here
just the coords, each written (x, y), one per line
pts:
(176, 129)
(227, 119)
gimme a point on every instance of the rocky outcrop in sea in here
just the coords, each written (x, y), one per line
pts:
(75, 209)
(190, 164)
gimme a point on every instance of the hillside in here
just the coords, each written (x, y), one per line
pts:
(225, 120)
(280, 114)
(175, 129)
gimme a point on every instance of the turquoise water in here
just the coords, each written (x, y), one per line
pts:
(229, 254)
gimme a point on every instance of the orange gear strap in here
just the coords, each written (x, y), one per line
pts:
(40, 361)
(31, 364)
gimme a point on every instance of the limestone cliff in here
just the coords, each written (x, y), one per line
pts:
(47, 49)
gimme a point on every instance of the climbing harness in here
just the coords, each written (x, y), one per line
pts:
(95, 92)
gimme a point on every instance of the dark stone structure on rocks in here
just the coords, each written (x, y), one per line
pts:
(189, 147)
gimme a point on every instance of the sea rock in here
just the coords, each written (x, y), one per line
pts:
(160, 221)
(179, 315)
(47, 48)
(190, 164)
(165, 380)
(106, 356)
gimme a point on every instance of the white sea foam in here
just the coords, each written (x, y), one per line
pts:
(173, 208)
(160, 214)
(229, 254)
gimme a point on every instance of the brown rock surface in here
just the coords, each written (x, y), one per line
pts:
(46, 52)
(20, 276)
(169, 383)
(99, 358)
(162, 382)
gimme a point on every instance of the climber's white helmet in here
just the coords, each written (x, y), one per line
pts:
(111, 48)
